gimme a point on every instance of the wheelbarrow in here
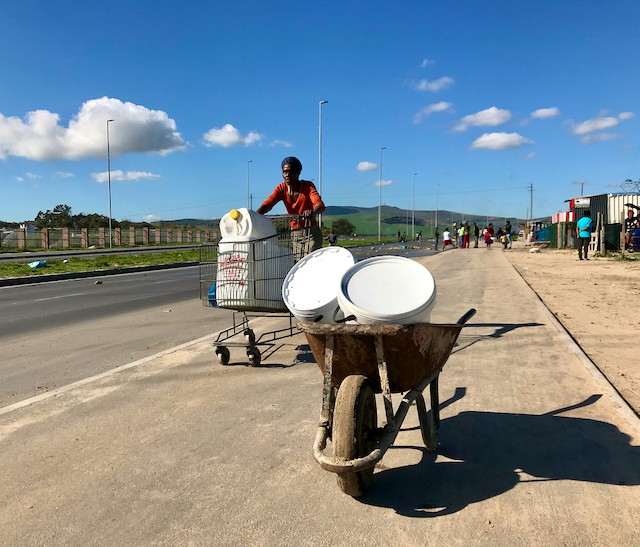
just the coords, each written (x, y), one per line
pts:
(359, 361)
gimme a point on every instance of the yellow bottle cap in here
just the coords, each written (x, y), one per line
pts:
(234, 214)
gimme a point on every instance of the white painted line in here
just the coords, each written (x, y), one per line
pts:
(61, 296)
(85, 381)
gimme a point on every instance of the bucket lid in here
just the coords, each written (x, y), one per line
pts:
(387, 286)
(314, 281)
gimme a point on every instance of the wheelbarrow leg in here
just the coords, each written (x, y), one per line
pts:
(429, 421)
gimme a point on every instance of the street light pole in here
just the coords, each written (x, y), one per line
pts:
(413, 213)
(320, 152)
(109, 181)
(437, 188)
(380, 192)
(248, 194)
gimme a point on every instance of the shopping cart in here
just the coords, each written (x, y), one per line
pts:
(247, 276)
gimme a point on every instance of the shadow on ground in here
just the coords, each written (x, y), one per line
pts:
(493, 452)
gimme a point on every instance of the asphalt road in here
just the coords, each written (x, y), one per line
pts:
(56, 333)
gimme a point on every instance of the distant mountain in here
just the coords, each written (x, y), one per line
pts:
(393, 219)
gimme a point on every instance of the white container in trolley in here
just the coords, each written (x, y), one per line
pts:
(251, 265)
(310, 289)
(241, 223)
(387, 289)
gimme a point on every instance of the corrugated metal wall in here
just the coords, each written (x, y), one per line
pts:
(617, 209)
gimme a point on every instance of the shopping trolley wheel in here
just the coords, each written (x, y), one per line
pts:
(254, 356)
(223, 355)
(249, 336)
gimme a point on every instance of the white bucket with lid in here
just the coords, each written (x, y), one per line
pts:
(310, 289)
(387, 289)
(244, 224)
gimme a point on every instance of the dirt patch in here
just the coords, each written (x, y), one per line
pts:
(597, 302)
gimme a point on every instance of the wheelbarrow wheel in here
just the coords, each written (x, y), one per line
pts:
(354, 425)
(223, 354)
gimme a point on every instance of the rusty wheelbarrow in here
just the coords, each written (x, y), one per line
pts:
(359, 361)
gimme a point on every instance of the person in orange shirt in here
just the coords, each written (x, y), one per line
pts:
(300, 198)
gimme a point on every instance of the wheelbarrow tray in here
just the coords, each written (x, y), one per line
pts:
(411, 352)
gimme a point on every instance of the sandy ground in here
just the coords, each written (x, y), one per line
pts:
(597, 302)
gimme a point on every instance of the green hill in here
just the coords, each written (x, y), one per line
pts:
(394, 220)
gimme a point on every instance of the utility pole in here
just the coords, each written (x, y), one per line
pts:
(531, 205)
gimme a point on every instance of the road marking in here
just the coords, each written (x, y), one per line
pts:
(61, 296)
(113, 371)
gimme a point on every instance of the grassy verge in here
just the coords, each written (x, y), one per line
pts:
(106, 262)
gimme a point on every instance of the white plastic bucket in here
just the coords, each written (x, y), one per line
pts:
(310, 289)
(244, 224)
(387, 289)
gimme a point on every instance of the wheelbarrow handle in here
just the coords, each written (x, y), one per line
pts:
(466, 316)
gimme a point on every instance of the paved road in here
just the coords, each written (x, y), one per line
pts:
(535, 447)
(53, 334)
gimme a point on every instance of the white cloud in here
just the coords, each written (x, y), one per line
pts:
(277, 142)
(427, 62)
(32, 176)
(600, 123)
(367, 166)
(543, 113)
(489, 117)
(150, 218)
(430, 109)
(228, 136)
(595, 124)
(64, 174)
(121, 175)
(599, 137)
(500, 141)
(20, 179)
(435, 85)
(40, 136)
(383, 182)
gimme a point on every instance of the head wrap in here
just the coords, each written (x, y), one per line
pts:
(293, 162)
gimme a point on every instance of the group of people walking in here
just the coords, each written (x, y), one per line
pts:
(460, 236)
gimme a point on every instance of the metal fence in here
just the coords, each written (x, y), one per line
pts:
(67, 238)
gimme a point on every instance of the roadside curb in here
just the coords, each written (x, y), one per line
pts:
(12, 281)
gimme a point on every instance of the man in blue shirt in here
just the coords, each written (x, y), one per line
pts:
(583, 231)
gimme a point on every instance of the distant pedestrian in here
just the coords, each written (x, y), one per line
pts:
(454, 234)
(629, 228)
(583, 231)
(487, 238)
(465, 236)
(436, 236)
(460, 235)
(508, 229)
(446, 239)
(332, 238)
(476, 234)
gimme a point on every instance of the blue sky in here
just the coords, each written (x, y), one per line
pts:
(478, 99)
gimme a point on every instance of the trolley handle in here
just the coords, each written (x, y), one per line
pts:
(466, 317)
